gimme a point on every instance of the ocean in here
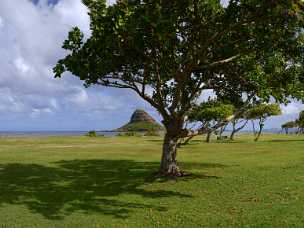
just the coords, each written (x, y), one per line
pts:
(51, 133)
(105, 133)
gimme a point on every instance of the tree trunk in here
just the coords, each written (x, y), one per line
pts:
(222, 130)
(208, 138)
(258, 135)
(186, 142)
(232, 134)
(253, 128)
(260, 132)
(169, 165)
(235, 130)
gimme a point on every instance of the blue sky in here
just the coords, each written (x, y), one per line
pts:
(50, 2)
(31, 36)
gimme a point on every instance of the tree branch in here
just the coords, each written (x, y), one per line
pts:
(224, 61)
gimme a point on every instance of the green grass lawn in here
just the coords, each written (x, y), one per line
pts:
(107, 182)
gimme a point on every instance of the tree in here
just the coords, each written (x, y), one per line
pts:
(168, 52)
(291, 124)
(240, 107)
(210, 114)
(238, 124)
(261, 112)
(300, 122)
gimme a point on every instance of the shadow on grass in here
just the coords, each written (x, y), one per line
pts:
(203, 142)
(88, 186)
(200, 141)
(155, 140)
(284, 140)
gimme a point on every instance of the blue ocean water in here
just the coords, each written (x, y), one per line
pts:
(51, 133)
(105, 133)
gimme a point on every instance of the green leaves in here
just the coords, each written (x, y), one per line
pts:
(74, 41)
(263, 111)
(211, 110)
(290, 124)
(301, 119)
(179, 48)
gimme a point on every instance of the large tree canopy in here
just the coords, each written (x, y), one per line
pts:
(168, 52)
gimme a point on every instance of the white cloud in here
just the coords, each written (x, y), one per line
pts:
(206, 94)
(1, 22)
(111, 2)
(80, 97)
(36, 113)
(225, 2)
(30, 45)
(21, 65)
(292, 108)
(54, 104)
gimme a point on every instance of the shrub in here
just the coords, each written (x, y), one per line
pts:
(132, 133)
(128, 134)
(91, 134)
(152, 133)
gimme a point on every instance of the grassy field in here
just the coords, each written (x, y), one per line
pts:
(107, 182)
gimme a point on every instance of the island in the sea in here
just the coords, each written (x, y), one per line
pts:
(141, 121)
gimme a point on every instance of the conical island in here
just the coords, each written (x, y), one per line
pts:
(141, 121)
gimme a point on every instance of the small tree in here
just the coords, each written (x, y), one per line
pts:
(239, 121)
(261, 112)
(300, 123)
(288, 125)
(237, 125)
(91, 134)
(210, 114)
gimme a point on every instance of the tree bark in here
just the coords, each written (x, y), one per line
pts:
(258, 135)
(235, 130)
(186, 142)
(169, 165)
(261, 123)
(232, 135)
(208, 138)
(223, 128)
(253, 128)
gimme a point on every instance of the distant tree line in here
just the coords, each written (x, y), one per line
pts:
(214, 115)
(297, 124)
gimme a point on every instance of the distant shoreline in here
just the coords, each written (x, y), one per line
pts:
(103, 132)
(52, 133)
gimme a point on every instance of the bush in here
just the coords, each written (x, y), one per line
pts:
(221, 138)
(152, 133)
(91, 134)
(128, 134)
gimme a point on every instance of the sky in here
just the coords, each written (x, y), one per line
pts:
(31, 35)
